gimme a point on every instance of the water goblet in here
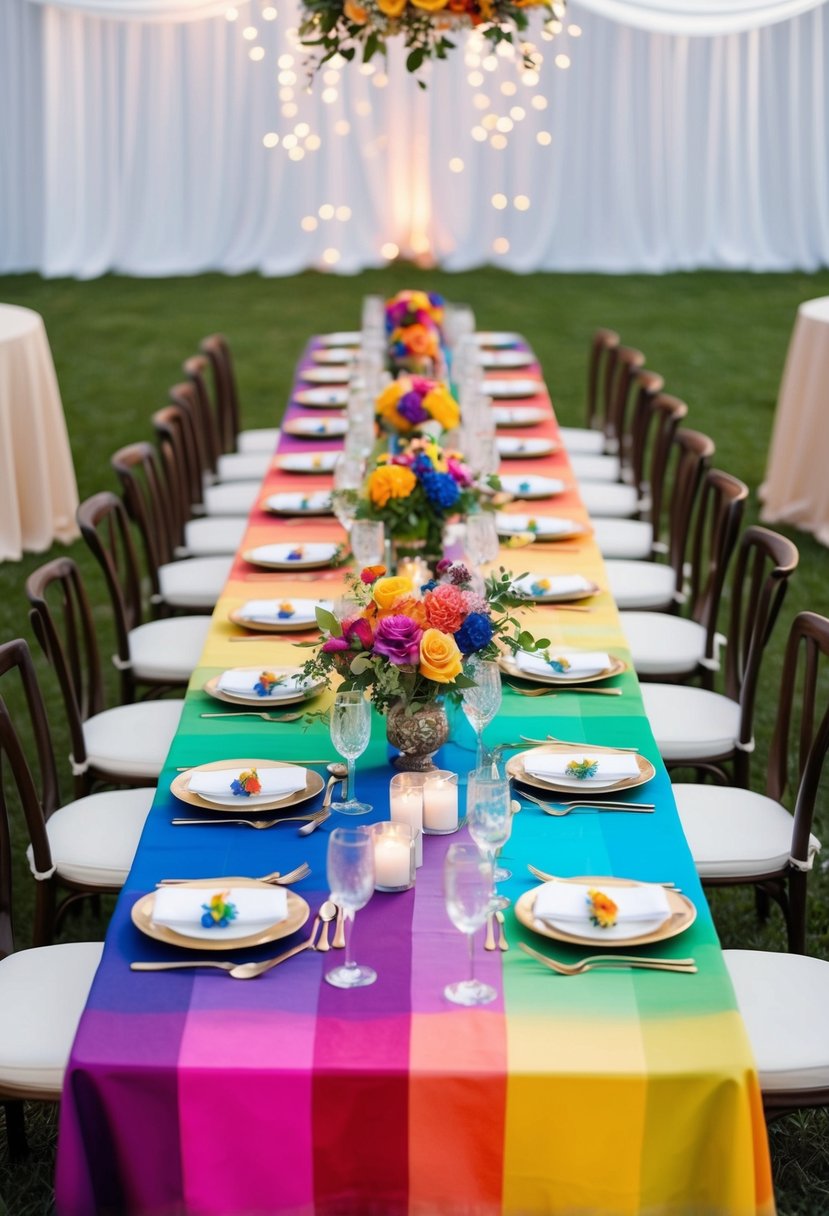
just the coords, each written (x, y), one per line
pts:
(348, 478)
(482, 700)
(467, 879)
(350, 730)
(489, 819)
(368, 542)
(350, 873)
(482, 544)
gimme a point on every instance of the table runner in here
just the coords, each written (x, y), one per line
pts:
(613, 1093)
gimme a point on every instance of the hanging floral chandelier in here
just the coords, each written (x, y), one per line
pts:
(361, 28)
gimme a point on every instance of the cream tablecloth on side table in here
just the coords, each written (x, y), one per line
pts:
(38, 491)
(796, 489)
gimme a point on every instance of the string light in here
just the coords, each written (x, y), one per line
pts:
(389, 251)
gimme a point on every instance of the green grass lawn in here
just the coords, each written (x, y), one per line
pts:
(718, 339)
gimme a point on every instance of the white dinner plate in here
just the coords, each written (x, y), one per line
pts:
(342, 337)
(316, 428)
(556, 588)
(298, 687)
(324, 375)
(503, 359)
(278, 616)
(519, 415)
(494, 339)
(290, 557)
(545, 527)
(533, 487)
(308, 462)
(291, 503)
(333, 355)
(504, 390)
(322, 398)
(510, 448)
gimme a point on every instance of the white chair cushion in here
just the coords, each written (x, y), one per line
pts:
(648, 585)
(42, 996)
(237, 466)
(630, 539)
(93, 840)
(263, 440)
(596, 468)
(783, 1000)
(233, 498)
(168, 649)
(208, 536)
(661, 644)
(735, 833)
(195, 583)
(609, 499)
(132, 740)
(581, 440)
(691, 723)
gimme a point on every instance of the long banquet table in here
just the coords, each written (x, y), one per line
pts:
(628, 1092)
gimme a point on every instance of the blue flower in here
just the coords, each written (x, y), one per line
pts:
(421, 463)
(441, 490)
(474, 634)
(430, 586)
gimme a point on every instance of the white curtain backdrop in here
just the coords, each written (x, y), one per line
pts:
(141, 147)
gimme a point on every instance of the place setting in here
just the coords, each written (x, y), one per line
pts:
(505, 359)
(316, 428)
(305, 556)
(321, 398)
(539, 527)
(562, 667)
(490, 339)
(518, 415)
(307, 462)
(532, 486)
(278, 615)
(325, 375)
(262, 688)
(511, 388)
(512, 448)
(334, 355)
(565, 768)
(292, 503)
(556, 588)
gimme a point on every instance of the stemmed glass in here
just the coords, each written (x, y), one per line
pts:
(350, 871)
(482, 700)
(368, 542)
(489, 819)
(348, 478)
(350, 730)
(467, 883)
(482, 544)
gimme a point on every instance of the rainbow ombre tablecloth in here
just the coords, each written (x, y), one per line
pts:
(608, 1093)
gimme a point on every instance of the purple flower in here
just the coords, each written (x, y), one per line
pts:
(398, 638)
(396, 314)
(443, 565)
(459, 574)
(334, 644)
(474, 634)
(410, 407)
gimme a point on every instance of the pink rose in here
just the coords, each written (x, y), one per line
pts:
(359, 629)
(398, 638)
(445, 608)
(334, 644)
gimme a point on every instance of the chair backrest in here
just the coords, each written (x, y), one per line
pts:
(600, 368)
(206, 411)
(37, 805)
(146, 498)
(105, 527)
(217, 351)
(798, 714)
(629, 363)
(720, 509)
(62, 620)
(688, 456)
(179, 462)
(765, 562)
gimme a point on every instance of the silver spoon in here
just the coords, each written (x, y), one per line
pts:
(249, 971)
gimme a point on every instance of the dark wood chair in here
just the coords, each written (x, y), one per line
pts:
(614, 465)
(226, 393)
(157, 654)
(122, 745)
(629, 499)
(708, 731)
(227, 466)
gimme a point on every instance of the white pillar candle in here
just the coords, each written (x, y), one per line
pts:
(406, 805)
(440, 802)
(392, 862)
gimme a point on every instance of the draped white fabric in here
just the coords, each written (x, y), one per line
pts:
(139, 147)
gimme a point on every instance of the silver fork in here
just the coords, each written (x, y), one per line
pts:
(280, 880)
(316, 818)
(255, 713)
(564, 808)
(613, 962)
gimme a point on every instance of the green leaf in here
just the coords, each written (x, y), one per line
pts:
(327, 621)
(415, 59)
(360, 664)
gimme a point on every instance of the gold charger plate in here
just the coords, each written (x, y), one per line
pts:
(683, 913)
(245, 622)
(264, 703)
(316, 563)
(298, 913)
(314, 783)
(516, 770)
(508, 664)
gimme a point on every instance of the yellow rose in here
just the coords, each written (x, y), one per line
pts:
(392, 8)
(387, 591)
(440, 659)
(390, 481)
(390, 395)
(443, 408)
(431, 6)
(355, 12)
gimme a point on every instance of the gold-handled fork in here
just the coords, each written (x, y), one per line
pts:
(276, 637)
(613, 962)
(317, 818)
(256, 713)
(503, 944)
(489, 942)
(557, 691)
(276, 878)
(543, 876)
(559, 809)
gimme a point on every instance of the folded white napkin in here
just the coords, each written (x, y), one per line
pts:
(610, 766)
(275, 782)
(549, 585)
(300, 502)
(180, 908)
(568, 901)
(267, 611)
(581, 662)
(240, 683)
(282, 553)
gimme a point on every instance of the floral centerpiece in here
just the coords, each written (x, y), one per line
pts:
(414, 492)
(407, 647)
(362, 28)
(412, 402)
(414, 330)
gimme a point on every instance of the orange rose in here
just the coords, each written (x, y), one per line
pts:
(430, 6)
(445, 608)
(392, 8)
(355, 12)
(387, 591)
(420, 340)
(412, 608)
(440, 659)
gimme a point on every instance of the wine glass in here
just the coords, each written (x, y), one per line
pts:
(368, 542)
(350, 730)
(482, 700)
(350, 872)
(467, 884)
(482, 544)
(489, 819)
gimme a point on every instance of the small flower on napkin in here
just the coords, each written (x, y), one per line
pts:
(304, 503)
(296, 554)
(316, 462)
(602, 910)
(532, 525)
(266, 683)
(286, 610)
(540, 586)
(246, 783)
(524, 486)
(559, 664)
(219, 912)
(582, 769)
